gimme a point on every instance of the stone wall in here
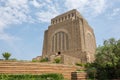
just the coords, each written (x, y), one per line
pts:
(78, 76)
(36, 68)
(66, 59)
(38, 58)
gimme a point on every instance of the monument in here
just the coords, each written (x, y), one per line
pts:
(70, 37)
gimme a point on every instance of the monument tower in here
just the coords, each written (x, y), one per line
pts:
(70, 36)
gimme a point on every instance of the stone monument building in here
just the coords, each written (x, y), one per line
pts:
(70, 37)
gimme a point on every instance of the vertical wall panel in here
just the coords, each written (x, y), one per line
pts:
(60, 42)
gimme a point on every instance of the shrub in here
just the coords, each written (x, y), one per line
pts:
(80, 70)
(34, 60)
(79, 64)
(44, 59)
(91, 72)
(50, 76)
(57, 60)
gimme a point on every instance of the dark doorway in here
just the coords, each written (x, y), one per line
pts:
(59, 53)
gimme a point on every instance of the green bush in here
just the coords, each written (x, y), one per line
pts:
(44, 59)
(80, 70)
(34, 60)
(79, 64)
(57, 60)
(51, 76)
(91, 72)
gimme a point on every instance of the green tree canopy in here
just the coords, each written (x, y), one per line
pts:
(109, 53)
(6, 55)
(108, 59)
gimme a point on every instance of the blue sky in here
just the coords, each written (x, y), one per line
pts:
(23, 22)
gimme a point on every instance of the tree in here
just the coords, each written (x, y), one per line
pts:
(108, 59)
(6, 55)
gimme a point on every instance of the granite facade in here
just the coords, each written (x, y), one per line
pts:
(70, 34)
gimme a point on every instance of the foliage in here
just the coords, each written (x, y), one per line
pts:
(57, 60)
(44, 59)
(91, 70)
(80, 70)
(108, 59)
(33, 60)
(51, 76)
(107, 63)
(79, 64)
(6, 55)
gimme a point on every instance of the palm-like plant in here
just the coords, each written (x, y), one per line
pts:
(6, 55)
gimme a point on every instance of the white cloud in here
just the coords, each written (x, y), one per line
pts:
(94, 7)
(19, 11)
(45, 16)
(2, 26)
(116, 12)
(50, 12)
(36, 3)
(8, 38)
(77, 4)
(49, 1)
(12, 12)
(98, 6)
